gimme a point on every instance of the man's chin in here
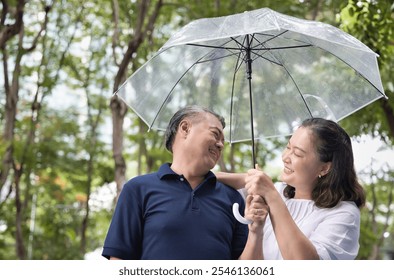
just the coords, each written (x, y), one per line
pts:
(212, 166)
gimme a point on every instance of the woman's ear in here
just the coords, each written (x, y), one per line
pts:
(326, 168)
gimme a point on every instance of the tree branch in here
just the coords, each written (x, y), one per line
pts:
(115, 36)
(43, 28)
(11, 30)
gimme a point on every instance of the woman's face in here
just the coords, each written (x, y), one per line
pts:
(301, 163)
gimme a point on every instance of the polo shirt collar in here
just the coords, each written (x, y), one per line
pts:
(165, 171)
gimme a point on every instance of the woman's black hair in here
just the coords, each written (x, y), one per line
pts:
(334, 145)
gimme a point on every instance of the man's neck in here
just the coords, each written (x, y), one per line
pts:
(190, 173)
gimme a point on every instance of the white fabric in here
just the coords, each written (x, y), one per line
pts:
(334, 232)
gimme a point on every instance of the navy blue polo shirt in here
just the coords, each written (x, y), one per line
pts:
(159, 216)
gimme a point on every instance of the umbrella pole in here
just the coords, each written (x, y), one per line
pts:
(248, 61)
(249, 77)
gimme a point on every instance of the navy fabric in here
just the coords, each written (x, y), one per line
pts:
(159, 216)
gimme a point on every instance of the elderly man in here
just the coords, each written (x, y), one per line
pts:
(181, 211)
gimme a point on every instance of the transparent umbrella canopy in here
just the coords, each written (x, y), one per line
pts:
(263, 71)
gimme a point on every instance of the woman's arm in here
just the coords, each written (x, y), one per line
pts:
(234, 180)
(256, 210)
(293, 244)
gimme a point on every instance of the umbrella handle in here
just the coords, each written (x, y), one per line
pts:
(238, 216)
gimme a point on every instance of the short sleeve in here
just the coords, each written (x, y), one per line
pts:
(124, 237)
(337, 235)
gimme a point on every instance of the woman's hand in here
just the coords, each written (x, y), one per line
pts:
(256, 210)
(259, 183)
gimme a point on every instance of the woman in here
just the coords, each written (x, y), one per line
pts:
(315, 212)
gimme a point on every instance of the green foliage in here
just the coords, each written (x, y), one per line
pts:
(377, 216)
(372, 22)
(367, 237)
(77, 61)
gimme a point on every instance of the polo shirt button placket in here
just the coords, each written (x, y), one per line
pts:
(194, 202)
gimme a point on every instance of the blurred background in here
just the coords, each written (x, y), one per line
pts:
(67, 144)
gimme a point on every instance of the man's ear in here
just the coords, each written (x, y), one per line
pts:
(184, 128)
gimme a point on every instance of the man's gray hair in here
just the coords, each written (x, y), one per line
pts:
(193, 111)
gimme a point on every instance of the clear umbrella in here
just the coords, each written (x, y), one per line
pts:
(265, 72)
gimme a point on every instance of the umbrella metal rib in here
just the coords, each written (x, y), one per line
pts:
(246, 49)
(169, 94)
(248, 61)
(237, 67)
(252, 48)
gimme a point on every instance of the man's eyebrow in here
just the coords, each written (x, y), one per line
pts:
(217, 129)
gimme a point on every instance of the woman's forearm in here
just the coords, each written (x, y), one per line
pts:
(253, 249)
(292, 242)
(234, 180)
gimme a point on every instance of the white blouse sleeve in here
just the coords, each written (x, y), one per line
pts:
(336, 237)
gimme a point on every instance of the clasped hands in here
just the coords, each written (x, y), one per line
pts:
(256, 207)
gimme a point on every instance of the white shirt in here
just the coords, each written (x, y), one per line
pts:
(333, 231)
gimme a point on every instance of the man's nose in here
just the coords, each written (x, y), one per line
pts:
(220, 145)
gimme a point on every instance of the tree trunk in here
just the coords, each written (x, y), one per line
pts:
(118, 107)
(12, 97)
(389, 113)
(7, 32)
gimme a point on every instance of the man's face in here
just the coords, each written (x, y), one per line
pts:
(205, 141)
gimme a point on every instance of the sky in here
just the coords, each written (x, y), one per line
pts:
(371, 150)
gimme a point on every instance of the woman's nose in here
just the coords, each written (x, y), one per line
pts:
(285, 156)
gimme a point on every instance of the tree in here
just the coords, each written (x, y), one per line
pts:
(372, 22)
(92, 78)
(17, 46)
(378, 215)
(55, 156)
(145, 16)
